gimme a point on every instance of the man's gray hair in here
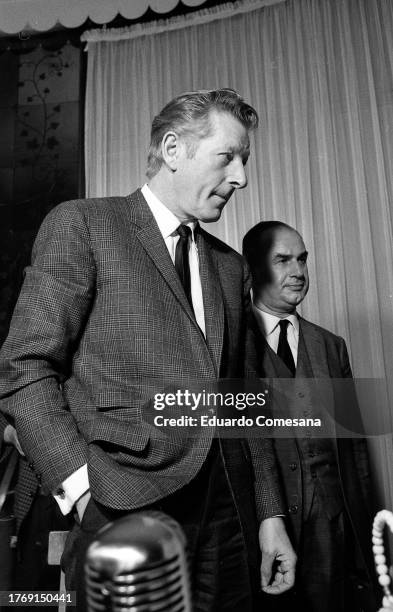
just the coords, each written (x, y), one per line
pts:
(188, 116)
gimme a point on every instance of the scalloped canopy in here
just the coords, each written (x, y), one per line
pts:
(42, 15)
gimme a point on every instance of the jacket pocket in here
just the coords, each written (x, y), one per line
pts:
(130, 433)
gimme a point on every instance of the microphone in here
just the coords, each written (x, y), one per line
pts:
(138, 564)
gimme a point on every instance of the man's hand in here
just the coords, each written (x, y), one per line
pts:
(81, 504)
(10, 437)
(278, 557)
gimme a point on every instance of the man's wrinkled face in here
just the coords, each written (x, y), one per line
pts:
(285, 283)
(209, 171)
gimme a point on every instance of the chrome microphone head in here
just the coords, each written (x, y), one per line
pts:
(138, 564)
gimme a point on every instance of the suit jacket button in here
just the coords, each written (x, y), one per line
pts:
(31, 465)
(293, 466)
(31, 494)
(293, 509)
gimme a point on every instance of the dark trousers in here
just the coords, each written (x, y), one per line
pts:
(328, 575)
(222, 543)
(32, 572)
(322, 568)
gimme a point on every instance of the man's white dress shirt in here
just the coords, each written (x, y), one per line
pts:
(269, 325)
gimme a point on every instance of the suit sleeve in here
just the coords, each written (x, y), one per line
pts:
(48, 319)
(359, 445)
(268, 496)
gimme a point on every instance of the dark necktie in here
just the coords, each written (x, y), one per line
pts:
(283, 349)
(182, 263)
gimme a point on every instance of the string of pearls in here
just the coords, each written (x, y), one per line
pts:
(384, 517)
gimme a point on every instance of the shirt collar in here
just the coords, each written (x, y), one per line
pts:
(166, 220)
(270, 322)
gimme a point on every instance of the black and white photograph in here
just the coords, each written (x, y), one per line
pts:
(196, 305)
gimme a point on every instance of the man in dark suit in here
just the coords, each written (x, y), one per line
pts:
(326, 481)
(129, 294)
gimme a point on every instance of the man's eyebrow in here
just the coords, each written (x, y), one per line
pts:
(282, 255)
(243, 148)
(289, 255)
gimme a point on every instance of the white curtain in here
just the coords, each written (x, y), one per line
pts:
(320, 73)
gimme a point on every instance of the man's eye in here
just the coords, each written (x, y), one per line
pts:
(228, 157)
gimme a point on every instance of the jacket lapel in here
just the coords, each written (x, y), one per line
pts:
(311, 348)
(313, 363)
(213, 303)
(151, 239)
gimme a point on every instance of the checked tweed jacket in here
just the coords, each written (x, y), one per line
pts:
(103, 323)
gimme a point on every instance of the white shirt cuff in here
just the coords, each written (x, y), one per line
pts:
(72, 489)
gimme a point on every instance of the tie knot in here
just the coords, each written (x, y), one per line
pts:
(184, 231)
(283, 325)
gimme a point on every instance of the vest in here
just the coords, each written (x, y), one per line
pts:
(307, 465)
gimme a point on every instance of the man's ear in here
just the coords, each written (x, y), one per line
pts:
(170, 149)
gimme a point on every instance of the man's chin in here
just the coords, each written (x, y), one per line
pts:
(212, 216)
(294, 298)
(297, 299)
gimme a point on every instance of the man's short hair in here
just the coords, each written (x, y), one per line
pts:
(256, 247)
(188, 116)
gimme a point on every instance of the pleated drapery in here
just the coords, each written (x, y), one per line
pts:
(320, 74)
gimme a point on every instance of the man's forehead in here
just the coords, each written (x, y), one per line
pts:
(232, 133)
(242, 147)
(286, 240)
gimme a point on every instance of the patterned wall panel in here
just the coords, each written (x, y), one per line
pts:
(39, 153)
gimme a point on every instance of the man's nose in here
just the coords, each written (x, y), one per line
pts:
(297, 269)
(237, 175)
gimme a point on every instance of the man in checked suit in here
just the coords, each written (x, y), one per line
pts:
(120, 297)
(326, 481)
